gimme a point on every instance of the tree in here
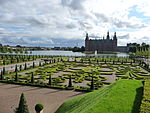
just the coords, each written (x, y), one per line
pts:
(20, 67)
(3, 70)
(23, 107)
(26, 51)
(40, 64)
(33, 64)
(25, 66)
(50, 79)
(16, 68)
(1, 75)
(82, 48)
(16, 77)
(70, 82)
(4, 62)
(92, 84)
(32, 77)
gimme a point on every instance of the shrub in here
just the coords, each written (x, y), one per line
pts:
(81, 88)
(70, 82)
(39, 107)
(23, 107)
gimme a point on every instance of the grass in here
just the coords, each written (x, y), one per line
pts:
(123, 96)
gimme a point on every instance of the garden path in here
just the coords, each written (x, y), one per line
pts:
(51, 98)
(12, 66)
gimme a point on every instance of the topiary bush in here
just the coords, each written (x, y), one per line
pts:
(23, 107)
(39, 107)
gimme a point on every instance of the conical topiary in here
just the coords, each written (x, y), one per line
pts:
(70, 82)
(23, 107)
(50, 79)
(16, 77)
(92, 84)
(32, 77)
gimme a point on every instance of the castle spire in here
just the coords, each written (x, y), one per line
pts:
(108, 35)
(115, 37)
(87, 37)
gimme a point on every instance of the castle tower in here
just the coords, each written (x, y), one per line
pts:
(115, 41)
(115, 37)
(87, 37)
(87, 42)
(108, 37)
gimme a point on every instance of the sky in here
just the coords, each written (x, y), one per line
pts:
(64, 22)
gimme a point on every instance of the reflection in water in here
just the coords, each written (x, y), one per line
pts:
(70, 53)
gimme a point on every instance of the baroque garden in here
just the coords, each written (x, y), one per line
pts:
(83, 74)
(74, 72)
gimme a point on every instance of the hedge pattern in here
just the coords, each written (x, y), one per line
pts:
(145, 106)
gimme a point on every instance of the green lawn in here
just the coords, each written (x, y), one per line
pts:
(123, 96)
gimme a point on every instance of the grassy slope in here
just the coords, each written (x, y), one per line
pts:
(123, 96)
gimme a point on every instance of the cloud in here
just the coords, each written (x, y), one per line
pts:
(132, 22)
(73, 4)
(126, 36)
(39, 22)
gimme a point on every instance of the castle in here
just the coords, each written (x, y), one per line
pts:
(103, 45)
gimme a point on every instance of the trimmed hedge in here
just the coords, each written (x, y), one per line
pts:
(39, 107)
(44, 85)
(145, 106)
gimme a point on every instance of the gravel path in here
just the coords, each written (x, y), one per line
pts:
(51, 98)
(28, 71)
(110, 78)
(10, 66)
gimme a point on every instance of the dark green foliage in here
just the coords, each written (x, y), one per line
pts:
(92, 84)
(50, 80)
(4, 62)
(83, 89)
(25, 66)
(40, 64)
(39, 107)
(113, 62)
(23, 107)
(20, 67)
(16, 69)
(16, 77)
(1, 75)
(26, 52)
(32, 77)
(89, 60)
(81, 60)
(33, 64)
(70, 82)
(3, 70)
(78, 49)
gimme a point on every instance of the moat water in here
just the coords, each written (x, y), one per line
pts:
(70, 53)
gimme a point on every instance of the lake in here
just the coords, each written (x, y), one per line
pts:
(70, 53)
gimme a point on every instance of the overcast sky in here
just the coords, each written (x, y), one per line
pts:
(56, 22)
